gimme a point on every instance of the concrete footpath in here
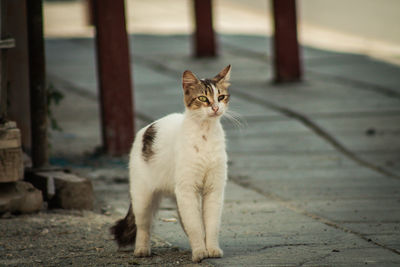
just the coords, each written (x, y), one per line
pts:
(314, 166)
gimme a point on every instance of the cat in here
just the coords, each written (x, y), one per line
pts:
(182, 156)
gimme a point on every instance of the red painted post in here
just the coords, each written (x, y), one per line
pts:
(286, 47)
(114, 75)
(204, 37)
(89, 12)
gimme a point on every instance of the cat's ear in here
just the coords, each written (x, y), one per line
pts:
(189, 79)
(222, 78)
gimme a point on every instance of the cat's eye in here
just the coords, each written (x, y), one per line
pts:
(221, 97)
(202, 99)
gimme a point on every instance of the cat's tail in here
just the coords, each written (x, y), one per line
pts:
(124, 230)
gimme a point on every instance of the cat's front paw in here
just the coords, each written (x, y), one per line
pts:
(199, 254)
(215, 252)
(142, 252)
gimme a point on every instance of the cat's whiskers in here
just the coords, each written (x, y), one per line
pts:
(235, 118)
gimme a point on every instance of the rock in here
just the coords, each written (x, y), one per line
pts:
(20, 197)
(11, 162)
(63, 190)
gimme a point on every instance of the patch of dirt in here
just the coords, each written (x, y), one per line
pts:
(80, 238)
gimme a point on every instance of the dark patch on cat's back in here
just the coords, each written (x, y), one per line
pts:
(148, 141)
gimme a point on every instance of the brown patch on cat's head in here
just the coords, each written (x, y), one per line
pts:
(191, 85)
(223, 77)
(194, 87)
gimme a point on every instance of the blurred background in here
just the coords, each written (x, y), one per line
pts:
(358, 26)
(327, 31)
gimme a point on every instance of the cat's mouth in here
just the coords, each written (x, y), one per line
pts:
(214, 115)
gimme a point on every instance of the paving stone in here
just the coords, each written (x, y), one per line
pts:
(146, 76)
(143, 44)
(87, 136)
(332, 97)
(78, 63)
(363, 69)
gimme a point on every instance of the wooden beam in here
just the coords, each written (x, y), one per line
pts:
(7, 43)
(18, 71)
(287, 63)
(89, 12)
(3, 64)
(37, 78)
(204, 36)
(114, 75)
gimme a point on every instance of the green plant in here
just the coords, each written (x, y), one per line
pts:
(54, 97)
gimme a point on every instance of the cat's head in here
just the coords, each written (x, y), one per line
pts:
(206, 98)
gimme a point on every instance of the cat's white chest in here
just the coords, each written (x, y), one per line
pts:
(204, 148)
(209, 144)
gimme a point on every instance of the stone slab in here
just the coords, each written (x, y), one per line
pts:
(262, 46)
(329, 97)
(364, 69)
(20, 197)
(63, 190)
(258, 231)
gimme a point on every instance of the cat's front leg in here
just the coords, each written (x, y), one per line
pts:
(189, 208)
(212, 208)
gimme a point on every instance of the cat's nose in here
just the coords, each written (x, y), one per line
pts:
(215, 108)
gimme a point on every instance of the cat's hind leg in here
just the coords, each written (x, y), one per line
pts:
(145, 206)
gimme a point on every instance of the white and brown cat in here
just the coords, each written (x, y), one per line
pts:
(181, 156)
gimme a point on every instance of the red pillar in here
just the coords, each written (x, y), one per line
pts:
(114, 75)
(204, 37)
(287, 63)
(89, 12)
